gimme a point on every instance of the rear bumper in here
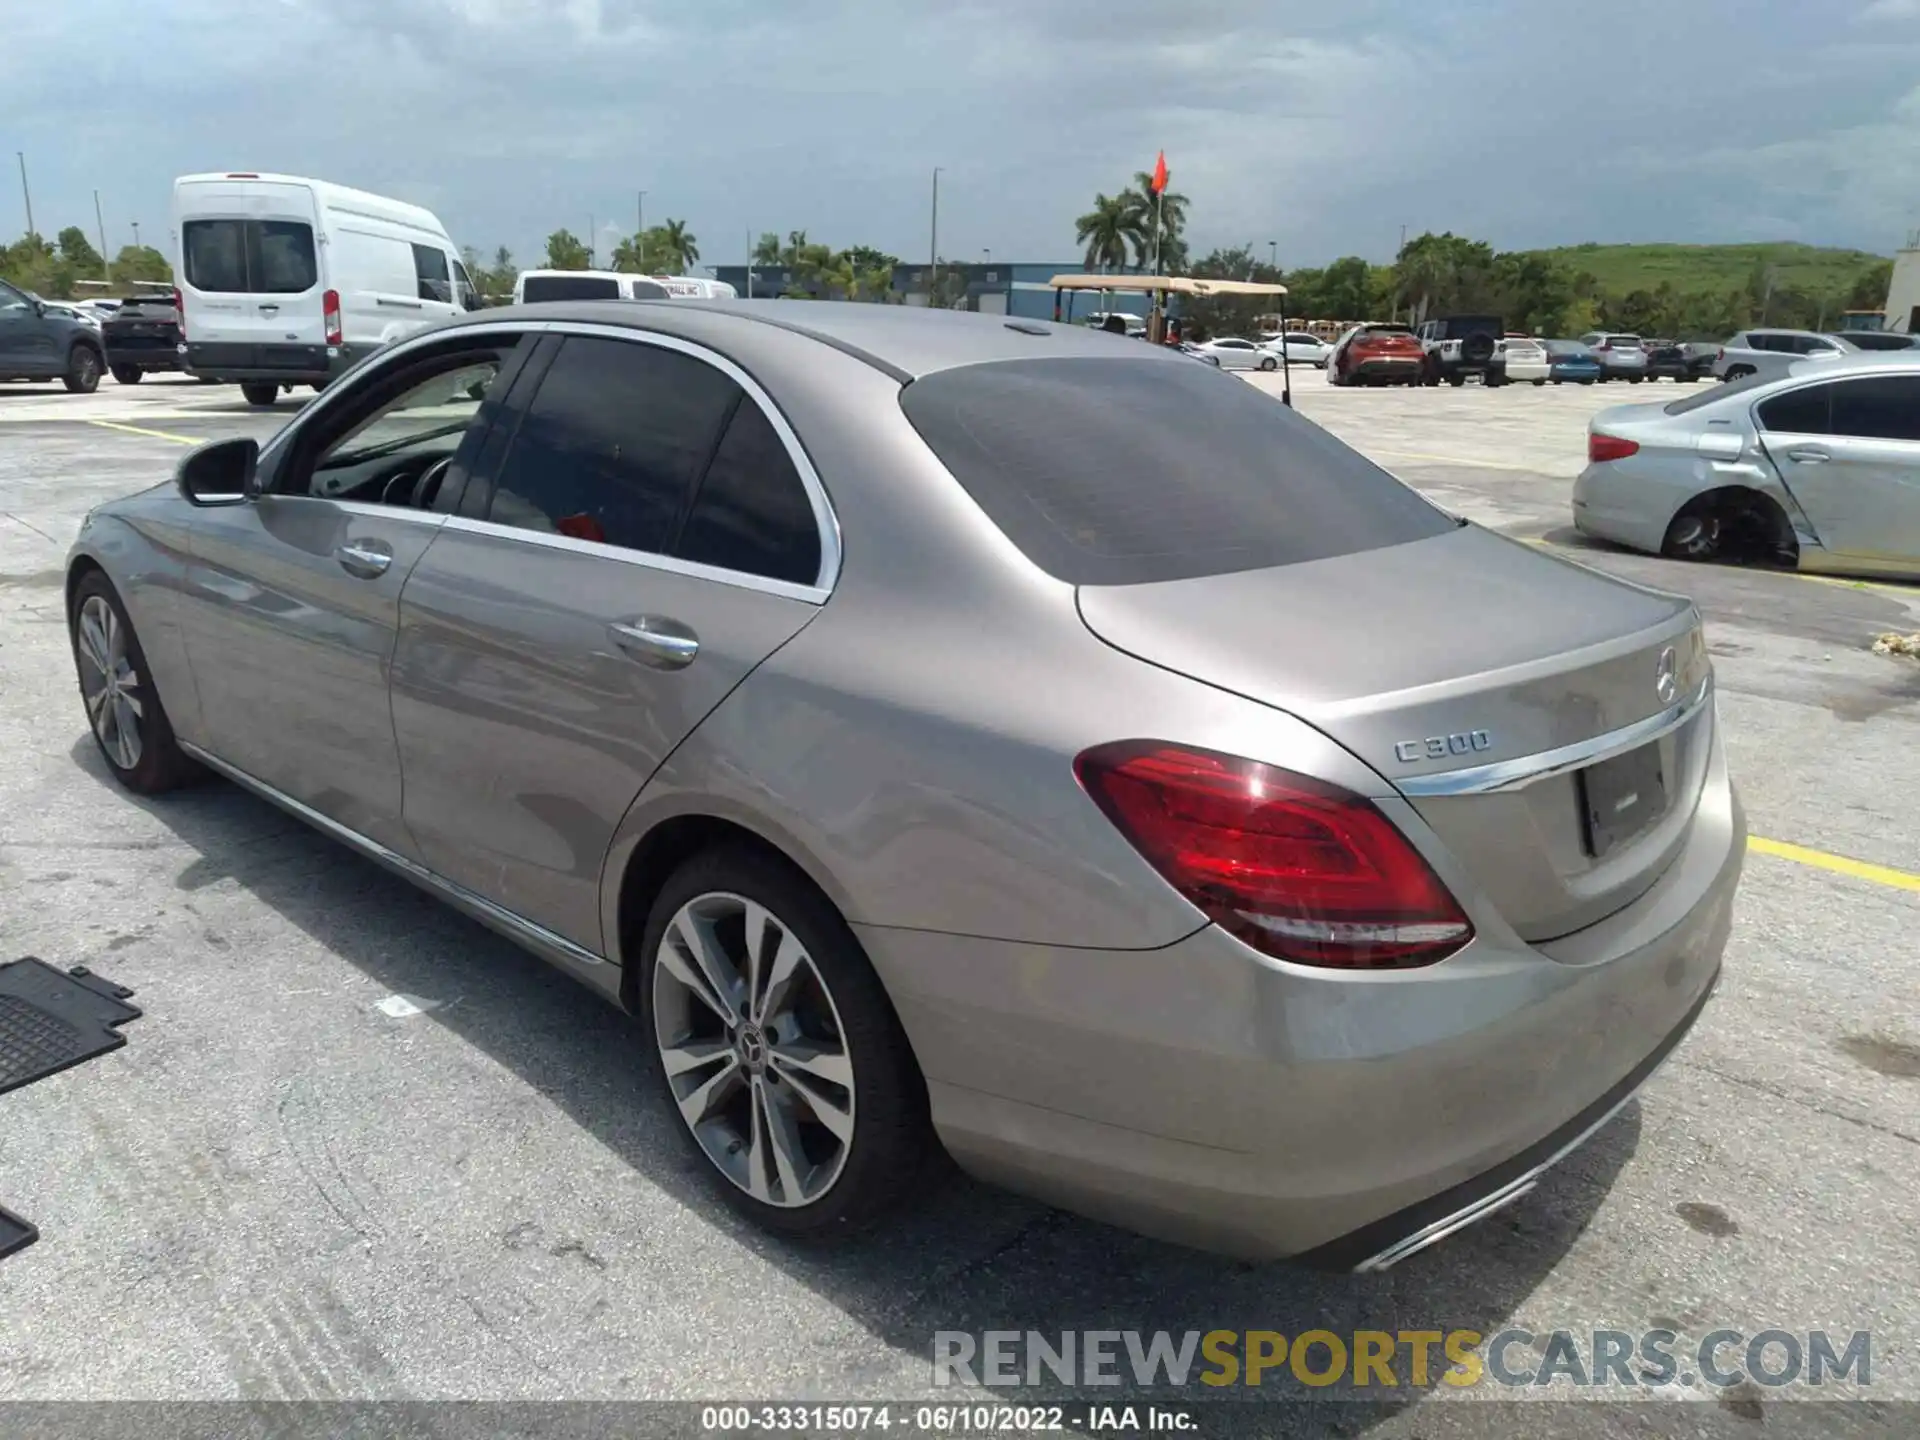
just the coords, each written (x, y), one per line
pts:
(287, 364)
(1385, 365)
(144, 357)
(1204, 1094)
(1613, 502)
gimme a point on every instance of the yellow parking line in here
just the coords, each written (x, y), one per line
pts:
(142, 430)
(1838, 864)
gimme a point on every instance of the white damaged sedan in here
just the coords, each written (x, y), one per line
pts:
(1818, 470)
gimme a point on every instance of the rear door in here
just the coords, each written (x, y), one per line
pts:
(250, 264)
(641, 538)
(1849, 450)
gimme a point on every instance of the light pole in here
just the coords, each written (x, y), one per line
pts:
(106, 266)
(933, 240)
(1273, 255)
(749, 262)
(136, 234)
(25, 194)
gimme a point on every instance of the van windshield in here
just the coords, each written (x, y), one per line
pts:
(538, 288)
(249, 257)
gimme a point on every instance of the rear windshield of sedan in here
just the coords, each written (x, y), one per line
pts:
(539, 289)
(1718, 392)
(1128, 471)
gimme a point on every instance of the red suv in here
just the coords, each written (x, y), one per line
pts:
(1377, 355)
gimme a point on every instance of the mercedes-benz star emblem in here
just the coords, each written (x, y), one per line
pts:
(1666, 678)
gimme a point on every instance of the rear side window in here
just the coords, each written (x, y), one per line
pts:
(430, 270)
(612, 443)
(752, 513)
(249, 257)
(540, 288)
(1884, 408)
(1806, 411)
(1128, 471)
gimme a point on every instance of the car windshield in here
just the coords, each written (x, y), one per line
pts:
(1129, 471)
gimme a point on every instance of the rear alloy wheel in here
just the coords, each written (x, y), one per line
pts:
(128, 374)
(258, 392)
(83, 370)
(1269, 363)
(129, 723)
(778, 1046)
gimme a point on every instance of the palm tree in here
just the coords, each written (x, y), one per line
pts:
(679, 245)
(766, 250)
(1107, 230)
(1172, 209)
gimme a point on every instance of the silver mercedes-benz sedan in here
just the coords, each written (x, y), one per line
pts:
(1819, 470)
(947, 727)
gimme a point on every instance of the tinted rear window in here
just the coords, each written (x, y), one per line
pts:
(249, 257)
(1125, 471)
(541, 288)
(1719, 392)
(1878, 340)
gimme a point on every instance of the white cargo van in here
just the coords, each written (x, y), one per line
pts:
(286, 281)
(539, 286)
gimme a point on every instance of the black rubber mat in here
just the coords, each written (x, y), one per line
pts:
(50, 1022)
(15, 1233)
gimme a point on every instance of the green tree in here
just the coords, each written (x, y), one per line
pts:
(1171, 209)
(566, 251)
(1109, 231)
(141, 262)
(78, 252)
(1869, 291)
(1346, 290)
(766, 250)
(1203, 315)
(677, 241)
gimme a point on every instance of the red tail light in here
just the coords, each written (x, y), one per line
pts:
(1294, 867)
(1610, 447)
(180, 309)
(330, 314)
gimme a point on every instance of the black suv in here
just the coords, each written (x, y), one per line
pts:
(1461, 345)
(37, 342)
(142, 335)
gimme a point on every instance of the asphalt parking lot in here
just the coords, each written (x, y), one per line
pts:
(289, 1186)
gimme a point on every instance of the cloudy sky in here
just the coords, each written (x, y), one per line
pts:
(1324, 125)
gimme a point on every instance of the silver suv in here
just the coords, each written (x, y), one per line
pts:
(1621, 357)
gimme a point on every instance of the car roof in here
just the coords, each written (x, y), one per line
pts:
(904, 341)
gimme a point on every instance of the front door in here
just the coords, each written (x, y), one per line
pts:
(24, 344)
(1849, 450)
(642, 543)
(292, 603)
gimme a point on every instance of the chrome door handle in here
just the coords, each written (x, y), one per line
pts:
(1809, 457)
(365, 560)
(663, 644)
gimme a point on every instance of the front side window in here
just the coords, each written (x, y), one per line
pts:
(415, 420)
(1886, 407)
(611, 446)
(430, 269)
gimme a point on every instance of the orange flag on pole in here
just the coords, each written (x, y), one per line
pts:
(1160, 173)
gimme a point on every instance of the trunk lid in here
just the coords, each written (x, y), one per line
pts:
(1435, 661)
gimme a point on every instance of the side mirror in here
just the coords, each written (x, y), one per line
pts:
(222, 472)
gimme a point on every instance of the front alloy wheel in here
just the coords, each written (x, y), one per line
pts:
(109, 683)
(754, 1049)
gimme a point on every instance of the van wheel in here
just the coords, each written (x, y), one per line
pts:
(260, 392)
(128, 374)
(83, 370)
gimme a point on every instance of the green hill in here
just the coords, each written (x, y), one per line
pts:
(1620, 269)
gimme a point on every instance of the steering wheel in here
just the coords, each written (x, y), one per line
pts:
(429, 484)
(415, 491)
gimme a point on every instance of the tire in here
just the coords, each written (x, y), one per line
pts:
(845, 1025)
(124, 713)
(1739, 372)
(1269, 363)
(83, 370)
(1635, 379)
(1538, 383)
(260, 392)
(1558, 381)
(128, 374)
(1458, 381)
